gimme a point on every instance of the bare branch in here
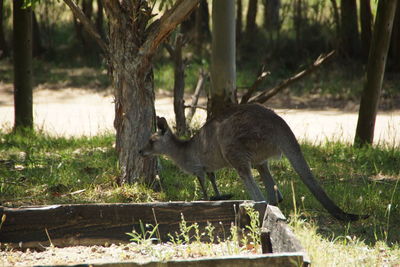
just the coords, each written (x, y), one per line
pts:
(254, 87)
(87, 24)
(269, 93)
(196, 106)
(196, 95)
(161, 28)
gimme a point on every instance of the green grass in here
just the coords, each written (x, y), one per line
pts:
(39, 169)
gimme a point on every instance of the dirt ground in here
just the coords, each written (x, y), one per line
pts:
(75, 112)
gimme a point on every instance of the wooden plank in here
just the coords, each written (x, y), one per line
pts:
(282, 239)
(273, 260)
(90, 224)
(97, 224)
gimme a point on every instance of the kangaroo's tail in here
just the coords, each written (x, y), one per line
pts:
(291, 149)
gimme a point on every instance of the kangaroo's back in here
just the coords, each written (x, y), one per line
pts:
(251, 128)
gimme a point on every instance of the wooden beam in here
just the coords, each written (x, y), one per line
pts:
(281, 236)
(96, 224)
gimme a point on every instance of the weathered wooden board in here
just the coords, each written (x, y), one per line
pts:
(281, 238)
(98, 224)
(93, 224)
(281, 260)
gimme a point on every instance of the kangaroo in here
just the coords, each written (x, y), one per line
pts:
(243, 136)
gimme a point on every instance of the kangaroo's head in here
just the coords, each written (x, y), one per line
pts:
(159, 141)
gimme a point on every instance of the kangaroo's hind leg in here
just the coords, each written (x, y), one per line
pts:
(243, 168)
(274, 196)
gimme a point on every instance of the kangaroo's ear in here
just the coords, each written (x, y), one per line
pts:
(162, 124)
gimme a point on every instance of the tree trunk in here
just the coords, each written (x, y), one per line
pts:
(251, 26)
(133, 85)
(239, 20)
(297, 21)
(395, 43)
(350, 43)
(375, 73)
(4, 51)
(22, 33)
(133, 42)
(271, 15)
(37, 47)
(100, 19)
(223, 60)
(336, 18)
(175, 51)
(366, 27)
(201, 26)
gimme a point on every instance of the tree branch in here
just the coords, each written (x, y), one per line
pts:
(196, 95)
(253, 88)
(161, 28)
(269, 93)
(87, 24)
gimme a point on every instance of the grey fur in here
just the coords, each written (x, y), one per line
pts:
(244, 136)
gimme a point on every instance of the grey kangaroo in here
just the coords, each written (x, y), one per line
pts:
(243, 136)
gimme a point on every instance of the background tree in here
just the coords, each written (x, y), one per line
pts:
(3, 44)
(22, 45)
(394, 51)
(196, 27)
(297, 22)
(134, 39)
(175, 51)
(375, 72)
(37, 46)
(350, 43)
(239, 20)
(271, 15)
(251, 16)
(366, 21)
(100, 18)
(223, 59)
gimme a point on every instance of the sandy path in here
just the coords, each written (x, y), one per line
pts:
(75, 112)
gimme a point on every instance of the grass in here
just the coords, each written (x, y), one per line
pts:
(40, 169)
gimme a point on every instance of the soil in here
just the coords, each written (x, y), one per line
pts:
(115, 253)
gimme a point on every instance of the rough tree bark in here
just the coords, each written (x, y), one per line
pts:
(22, 43)
(223, 60)
(375, 72)
(133, 43)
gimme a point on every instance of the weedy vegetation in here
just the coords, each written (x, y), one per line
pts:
(42, 169)
(194, 241)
